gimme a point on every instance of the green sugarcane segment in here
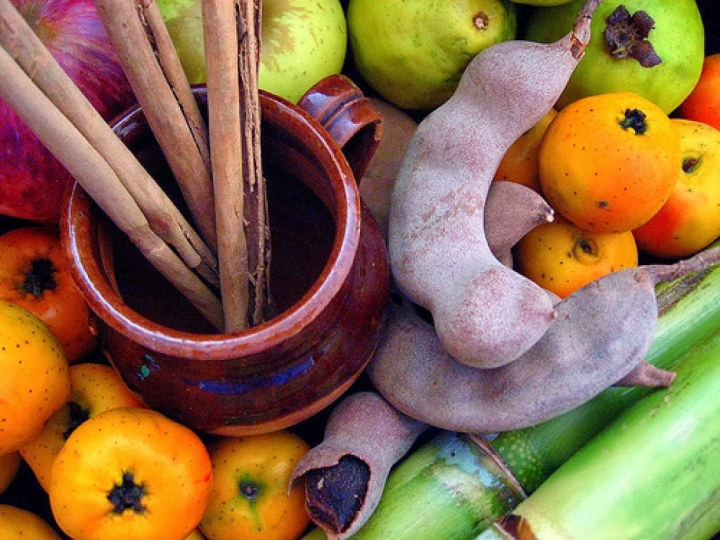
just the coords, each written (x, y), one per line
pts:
(447, 489)
(653, 473)
(689, 314)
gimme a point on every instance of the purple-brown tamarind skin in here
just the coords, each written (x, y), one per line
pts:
(645, 374)
(511, 211)
(366, 426)
(486, 314)
(601, 334)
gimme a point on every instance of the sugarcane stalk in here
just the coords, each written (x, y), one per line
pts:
(447, 489)
(652, 473)
(690, 314)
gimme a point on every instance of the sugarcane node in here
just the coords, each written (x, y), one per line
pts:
(485, 447)
(334, 495)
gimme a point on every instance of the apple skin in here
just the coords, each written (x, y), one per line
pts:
(32, 181)
(690, 219)
(302, 42)
(703, 103)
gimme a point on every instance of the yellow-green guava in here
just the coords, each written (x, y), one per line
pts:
(302, 41)
(544, 3)
(413, 52)
(667, 36)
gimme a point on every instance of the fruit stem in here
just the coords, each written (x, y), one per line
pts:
(78, 415)
(626, 36)
(690, 164)
(127, 495)
(249, 490)
(40, 278)
(481, 21)
(634, 119)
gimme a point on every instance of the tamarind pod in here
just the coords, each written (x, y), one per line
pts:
(379, 177)
(364, 437)
(602, 332)
(689, 310)
(647, 375)
(486, 314)
(511, 211)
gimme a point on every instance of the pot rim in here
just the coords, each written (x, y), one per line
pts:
(110, 308)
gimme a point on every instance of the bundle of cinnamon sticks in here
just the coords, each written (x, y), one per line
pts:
(217, 164)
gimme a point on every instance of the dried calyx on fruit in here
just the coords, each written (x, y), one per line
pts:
(626, 36)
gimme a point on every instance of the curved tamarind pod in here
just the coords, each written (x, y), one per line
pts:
(602, 333)
(511, 211)
(364, 437)
(485, 313)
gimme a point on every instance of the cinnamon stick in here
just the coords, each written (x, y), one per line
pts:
(164, 218)
(226, 152)
(256, 215)
(172, 68)
(96, 176)
(135, 40)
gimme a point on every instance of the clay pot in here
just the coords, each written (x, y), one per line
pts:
(330, 278)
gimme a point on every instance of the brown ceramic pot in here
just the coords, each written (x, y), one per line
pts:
(330, 279)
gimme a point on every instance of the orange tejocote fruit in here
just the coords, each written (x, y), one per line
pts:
(520, 162)
(609, 162)
(561, 257)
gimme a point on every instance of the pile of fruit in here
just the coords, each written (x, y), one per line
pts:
(548, 184)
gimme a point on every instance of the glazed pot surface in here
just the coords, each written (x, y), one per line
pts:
(329, 280)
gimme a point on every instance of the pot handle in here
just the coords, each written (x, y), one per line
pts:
(339, 105)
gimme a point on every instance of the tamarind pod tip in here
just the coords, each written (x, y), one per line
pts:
(511, 211)
(580, 35)
(645, 374)
(701, 261)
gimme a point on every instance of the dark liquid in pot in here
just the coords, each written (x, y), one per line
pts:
(302, 234)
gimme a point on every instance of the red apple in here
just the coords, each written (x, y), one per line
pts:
(690, 219)
(32, 181)
(703, 103)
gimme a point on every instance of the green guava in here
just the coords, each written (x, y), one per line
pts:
(651, 47)
(544, 3)
(302, 42)
(413, 52)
